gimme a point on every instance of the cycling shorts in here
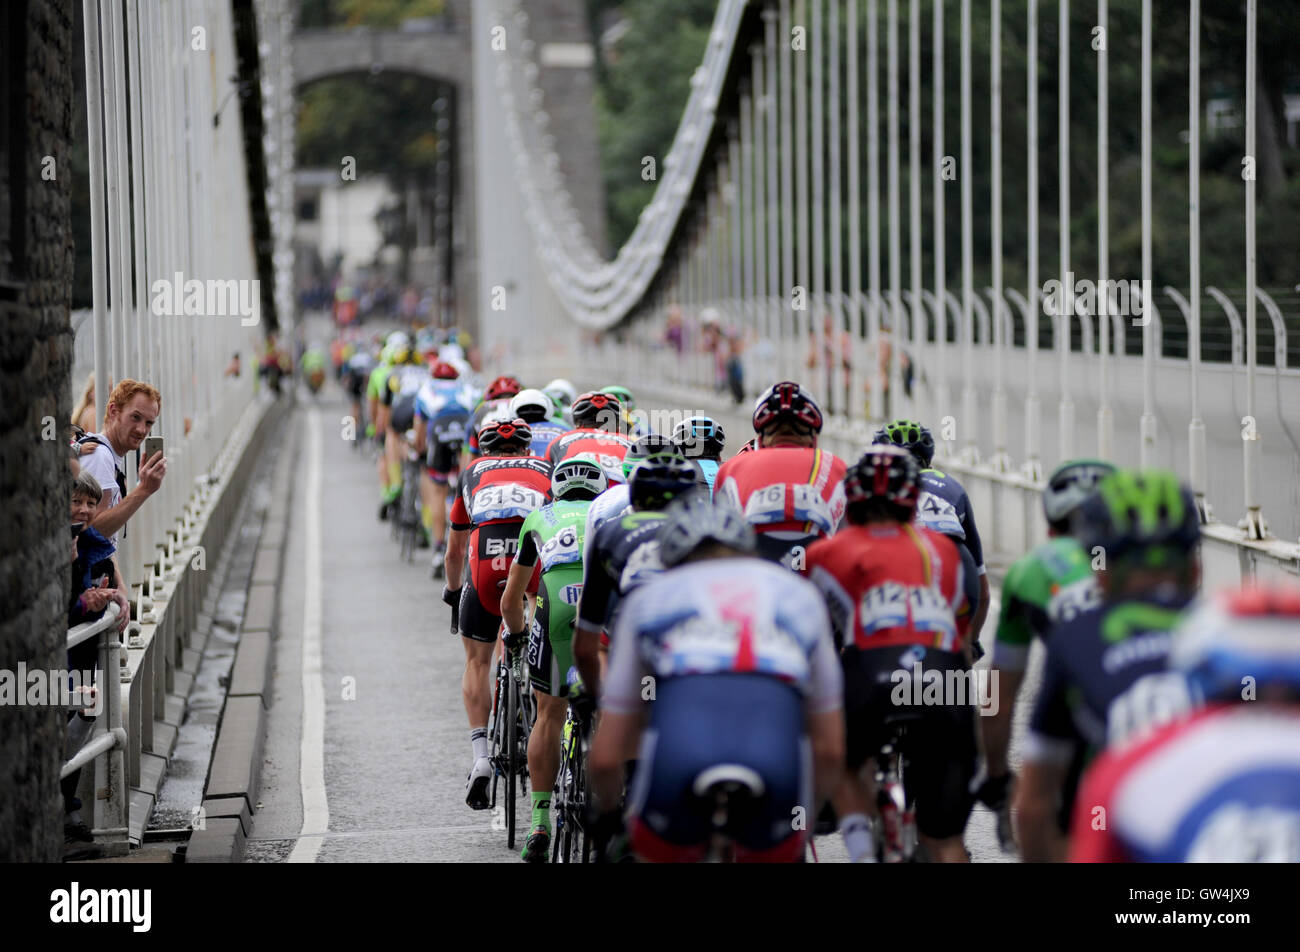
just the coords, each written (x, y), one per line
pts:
(445, 436)
(477, 622)
(703, 720)
(550, 637)
(356, 383)
(403, 413)
(970, 580)
(940, 741)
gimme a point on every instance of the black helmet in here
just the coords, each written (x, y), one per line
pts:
(497, 435)
(886, 474)
(695, 519)
(787, 402)
(911, 436)
(659, 480)
(1144, 518)
(700, 436)
(590, 409)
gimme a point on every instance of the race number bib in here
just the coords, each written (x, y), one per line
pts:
(504, 501)
(809, 506)
(643, 563)
(1072, 600)
(938, 514)
(767, 505)
(1239, 833)
(1150, 701)
(881, 607)
(561, 549)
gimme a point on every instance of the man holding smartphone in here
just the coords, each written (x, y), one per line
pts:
(133, 407)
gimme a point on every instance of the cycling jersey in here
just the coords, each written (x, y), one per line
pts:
(544, 431)
(497, 493)
(1222, 786)
(443, 406)
(608, 448)
(614, 501)
(723, 616)
(403, 384)
(623, 554)
(1105, 678)
(377, 385)
(706, 470)
(1052, 584)
(553, 536)
(792, 494)
(945, 508)
(891, 585)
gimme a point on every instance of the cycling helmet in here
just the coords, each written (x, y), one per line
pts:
(591, 408)
(651, 445)
(442, 370)
(659, 480)
(1070, 484)
(624, 397)
(1139, 517)
(695, 519)
(885, 472)
(426, 342)
(561, 392)
(578, 477)
(787, 402)
(502, 387)
(496, 435)
(1234, 635)
(700, 436)
(911, 436)
(531, 406)
(398, 340)
(748, 446)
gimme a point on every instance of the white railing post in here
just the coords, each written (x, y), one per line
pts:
(1065, 420)
(941, 407)
(1255, 525)
(918, 409)
(1033, 468)
(1196, 449)
(1001, 461)
(1148, 422)
(970, 435)
(874, 297)
(1105, 417)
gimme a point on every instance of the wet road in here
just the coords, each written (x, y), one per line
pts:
(386, 746)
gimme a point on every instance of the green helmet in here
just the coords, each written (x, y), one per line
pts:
(911, 436)
(1141, 518)
(649, 445)
(624, 396)
(1070, 484)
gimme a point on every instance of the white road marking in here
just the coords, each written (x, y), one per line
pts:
(315, 806)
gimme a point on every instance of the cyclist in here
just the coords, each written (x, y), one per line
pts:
(494, 403)
(497, 492)
(791, 492)
(1105, 675)
(441, 416)
(1222, 786)
(356, 371)
(552, 535)
(596, 422)
(894, 593)
(562, 394)
(702, 440)
(535, 408)
(376, 387)
(743, 671)
(1050, 585)
(624, 553)
(408, 375)
(631, 424)
(615, 501)
(945, 508)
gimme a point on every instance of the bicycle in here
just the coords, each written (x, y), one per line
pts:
(728, 792)
(897, 842)
(572, 839)
(511, 721)
(407, 523)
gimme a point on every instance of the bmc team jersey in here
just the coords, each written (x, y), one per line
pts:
(608, 448)
(497, 493)
(1222, 786)
(623, 554)
(724, 616)
(1105, 678)
(945, 508)
(891, 585)
(544, 432)
(1051, 585)
(798, 491)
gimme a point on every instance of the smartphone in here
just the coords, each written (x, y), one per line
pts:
(152, 444)
(76, 528)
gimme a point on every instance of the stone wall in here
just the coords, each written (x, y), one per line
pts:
(35, 391)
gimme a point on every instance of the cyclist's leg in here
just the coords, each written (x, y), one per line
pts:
(478, 631)
(548, 688)
(942, 755)
(865, 708)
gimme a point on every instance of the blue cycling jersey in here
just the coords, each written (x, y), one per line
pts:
(543, 433)
(945, 508)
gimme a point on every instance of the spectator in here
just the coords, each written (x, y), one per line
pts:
(726, 346)
(133, 407)
(674, 333)
(821, 352)
(84, 414)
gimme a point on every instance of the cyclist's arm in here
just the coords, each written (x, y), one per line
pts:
(592, 605)
(459, 528)
(421, 431)
(514, 611)
(1010, 651)
(825, 714)
(621, 706)
(1049, 749)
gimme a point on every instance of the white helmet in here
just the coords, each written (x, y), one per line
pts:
(561, 392)
(531, 406)
(581, 474)
(399, 340)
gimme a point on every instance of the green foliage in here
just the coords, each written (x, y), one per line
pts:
(381, 14)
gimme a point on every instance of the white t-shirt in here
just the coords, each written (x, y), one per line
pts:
(104, 464)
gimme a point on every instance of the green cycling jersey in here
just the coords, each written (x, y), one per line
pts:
(1050, 585)
(378, 380)
(554, 535)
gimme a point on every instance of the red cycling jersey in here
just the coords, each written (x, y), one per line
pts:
(496, 494)
(891, 585)
(791, 489)
(609, 448)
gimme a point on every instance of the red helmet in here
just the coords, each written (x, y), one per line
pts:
(504, 435)
(588, 407)
(502, 387)
(885, 472)
(442, 370)
(787, 402)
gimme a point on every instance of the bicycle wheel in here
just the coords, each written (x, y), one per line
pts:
(496, 732)
(512, 749)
